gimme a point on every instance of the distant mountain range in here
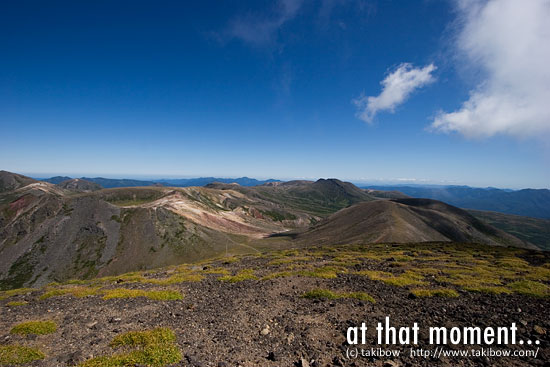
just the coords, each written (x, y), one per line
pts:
(177, 182)
(528, 202)
(73, 229)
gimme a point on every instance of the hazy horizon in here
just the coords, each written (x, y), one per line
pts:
(361, 181)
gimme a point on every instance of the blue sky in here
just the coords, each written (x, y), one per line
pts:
(276, 89)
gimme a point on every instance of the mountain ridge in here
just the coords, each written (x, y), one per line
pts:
(408, 220)
(53, 233)
(526, 202)
(181, 182)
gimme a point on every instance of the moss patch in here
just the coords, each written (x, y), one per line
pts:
(439, 292)
(323, 272)
(175, 279)
(405, 279)
(320, 293)
(488, 289)
(530, 288)
(327, 294)
(35, 328)
(221, 271)
(158, 295)
(16, 303)
(279, 274)
(144, 338)
(245, 274)
(153, 348)
(76, 291)
(17, 354)
(15, 292)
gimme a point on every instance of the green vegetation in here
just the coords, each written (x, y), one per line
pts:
(157, 295)
(534, 230)
(16, 354)
(324, 272)
(438, 292)
(530, 288)
(75, 291)
(289, 260)
(221, 271)
(143, 338)
(358, 295)
(321, 293)
(35, 328)
(15, 292)
(83, 291)
(179, 275)
(153, 348)
(327, 294)
(433, 267)
(488, 289)
(175, 279)
(19, 273)
(16, 303)
(405, 279)
(279, 274)
(245, 274)
(428, 270)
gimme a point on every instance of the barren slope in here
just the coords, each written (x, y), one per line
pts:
(403, 221)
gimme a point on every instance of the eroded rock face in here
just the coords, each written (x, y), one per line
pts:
(49, 233)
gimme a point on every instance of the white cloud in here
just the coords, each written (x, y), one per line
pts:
(396, 88)
(509, 42)
(258, 30)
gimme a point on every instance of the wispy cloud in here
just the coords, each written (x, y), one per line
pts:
(509, 42)
(396, 88)
(261, 29)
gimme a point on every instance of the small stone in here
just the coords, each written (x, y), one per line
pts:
(539, 330)
(70, 359)
(91, 325)
(114, 319)
(265, 330)
(193, 361)
(523, 322)
(519, 309)
(304, 363)
(272, 356)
